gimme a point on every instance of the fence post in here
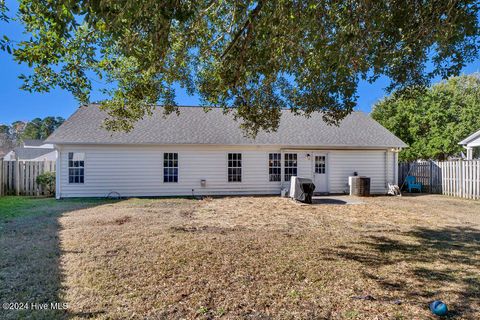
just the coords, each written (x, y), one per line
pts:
(431, 177)
(460, 177)
(17, 177)
(43, 170)
(21, 175)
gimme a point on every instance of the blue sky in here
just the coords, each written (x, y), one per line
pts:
(21, 105)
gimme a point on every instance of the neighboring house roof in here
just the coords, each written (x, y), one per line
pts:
(36, 143)
(195, 126)
(30, 153)
(33, 142)
(470, 138)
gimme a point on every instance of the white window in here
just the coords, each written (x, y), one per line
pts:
(290, 165)
(76, 167)
(275, 166)
(320, 164)
(234, 167)
(170, 167)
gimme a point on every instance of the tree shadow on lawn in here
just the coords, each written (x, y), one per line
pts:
(30, 271)
(423, 265)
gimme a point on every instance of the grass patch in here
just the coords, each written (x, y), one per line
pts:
(12, 207)
(30, 253)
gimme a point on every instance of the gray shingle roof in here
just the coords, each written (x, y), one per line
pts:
(195, 126)
(33, 142)
(31, 153)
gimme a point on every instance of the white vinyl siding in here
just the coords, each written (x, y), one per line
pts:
(369, 163)
(138, 170)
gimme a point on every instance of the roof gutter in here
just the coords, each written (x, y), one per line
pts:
(293, 147)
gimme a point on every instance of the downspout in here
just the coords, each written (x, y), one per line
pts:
(395, 173)
(395, 164)
(282, 168)
(386, 169)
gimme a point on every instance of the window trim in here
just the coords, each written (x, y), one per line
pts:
(177, 167)
(241, 167)
(285, 167)
(68, 166)
(279, 167)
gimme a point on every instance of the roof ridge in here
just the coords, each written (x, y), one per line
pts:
(212, 107)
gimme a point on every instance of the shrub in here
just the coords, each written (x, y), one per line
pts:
(47, 181)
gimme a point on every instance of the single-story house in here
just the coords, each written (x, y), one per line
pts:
(32, 150)
(471, 142)
(206, 153)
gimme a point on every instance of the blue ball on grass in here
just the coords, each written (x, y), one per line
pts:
(438, 308)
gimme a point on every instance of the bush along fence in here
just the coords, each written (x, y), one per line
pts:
(20, 177)
(458, 178)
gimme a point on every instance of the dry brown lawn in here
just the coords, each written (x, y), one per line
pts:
(256, 258)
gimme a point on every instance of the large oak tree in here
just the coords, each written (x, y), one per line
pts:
(257, 56)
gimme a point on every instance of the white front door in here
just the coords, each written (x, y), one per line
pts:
(320, 172)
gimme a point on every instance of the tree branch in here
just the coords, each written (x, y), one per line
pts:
(252, 16)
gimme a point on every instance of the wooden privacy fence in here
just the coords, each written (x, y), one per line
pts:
(19, 177)
(458, 178)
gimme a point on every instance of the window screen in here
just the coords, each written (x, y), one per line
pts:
(170, 167)
(290, 165)
(76, 167)
(234, 167)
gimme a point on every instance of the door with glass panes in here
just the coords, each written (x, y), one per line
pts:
(320, 173)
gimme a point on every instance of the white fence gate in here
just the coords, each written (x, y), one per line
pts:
(458, 178)
(19, 177)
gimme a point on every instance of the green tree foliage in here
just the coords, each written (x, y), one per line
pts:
(41, 128)
(6, 139)
(4, 41)
(434, 121)
(257, 56)
(11, 135)
(4, 129)
(32, 129)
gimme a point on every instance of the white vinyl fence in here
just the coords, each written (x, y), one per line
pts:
(19, 177)
(458, 178)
